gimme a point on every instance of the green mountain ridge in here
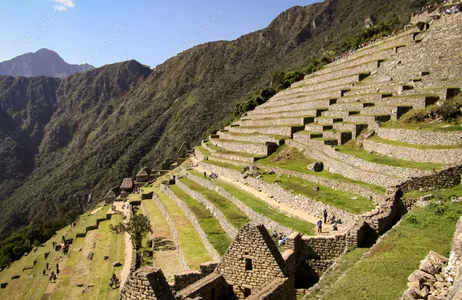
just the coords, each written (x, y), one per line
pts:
(83, 134)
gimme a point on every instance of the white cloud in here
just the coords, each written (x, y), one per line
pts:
(63, 5)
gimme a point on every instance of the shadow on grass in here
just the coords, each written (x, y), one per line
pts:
(163, 244)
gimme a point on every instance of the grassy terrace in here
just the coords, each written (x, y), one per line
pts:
(203, 150)
(293, 160)
(339, 199)
(443, 193)
(165, 256)
(264, 209)
(385, 160)
(400, 144)
(328, 280)
(190, 242)
(384, 273)
(215, 234)
(441, 127)
(232, 213)
(224, 165)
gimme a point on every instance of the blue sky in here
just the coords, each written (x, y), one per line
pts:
(100, 32)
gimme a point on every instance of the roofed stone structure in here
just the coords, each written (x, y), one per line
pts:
(110, 196)
(127, 185)
(143, 175)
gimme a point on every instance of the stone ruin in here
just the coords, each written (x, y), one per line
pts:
(252, 268)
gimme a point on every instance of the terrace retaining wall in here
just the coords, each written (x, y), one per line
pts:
(421, 137)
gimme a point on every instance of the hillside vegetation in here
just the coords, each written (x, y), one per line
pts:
(65, 142)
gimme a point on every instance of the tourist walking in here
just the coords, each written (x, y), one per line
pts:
(205, 175)
(325, 215)
(319, 223)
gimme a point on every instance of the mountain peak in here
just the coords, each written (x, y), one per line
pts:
(44, 62)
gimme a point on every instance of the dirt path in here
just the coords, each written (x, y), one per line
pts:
(127, 242)
(96, 210)
(280, 206)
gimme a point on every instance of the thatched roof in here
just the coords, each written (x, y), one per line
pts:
(127, 184)
(142, 172)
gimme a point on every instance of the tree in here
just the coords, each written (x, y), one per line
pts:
(137, 228)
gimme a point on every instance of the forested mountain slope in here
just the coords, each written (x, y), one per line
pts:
(83, 134)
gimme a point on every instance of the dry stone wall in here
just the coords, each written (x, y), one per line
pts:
(280, 195)
(278, 289)
(164, 212)
(211, 287)
(228, 228)
(344, 169)
(454, 269)
(443, 179)
(192, 218)
(333, 184)
(185, 279)
(199, 155)
(254, 216)
(251, 261)
(146, 283)
(421, 137)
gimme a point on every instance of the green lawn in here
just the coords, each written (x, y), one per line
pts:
(347, 261)
(400, 144)
(232, 213)
(194, 250)
(339, 199)
(443, 193)
(224, 165)
(203, 150)
(384, 273)
(385, 160)
(290, 159)
(215, 234)
(266, 210)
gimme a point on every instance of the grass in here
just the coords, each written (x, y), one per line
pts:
(290, 159)
(165, 256)
(116, 253)
(215, 234)
(232, 213)
(384, 273)
(443, 193)
(400, 144)
(190, 242)
(347, 260)
(203, 150)
(266, 210)
(339, 199)
(224, 165)
(385, 160)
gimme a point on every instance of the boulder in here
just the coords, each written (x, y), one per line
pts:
(90, 255)
(316, 166)
(116, 264)
(410, 294)
(428, 267)
(420, 276)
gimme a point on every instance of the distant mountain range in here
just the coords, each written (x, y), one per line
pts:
(44, 62)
